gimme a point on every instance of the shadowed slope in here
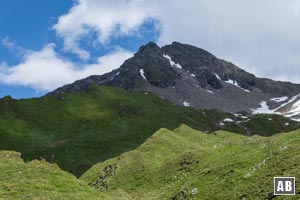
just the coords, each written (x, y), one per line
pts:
(90, 126)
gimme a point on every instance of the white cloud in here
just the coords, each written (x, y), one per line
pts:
(45, 70)
(8, 43)
(13, 47)
(260, 35)
(107, 18)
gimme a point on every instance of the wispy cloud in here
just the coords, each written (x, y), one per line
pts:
(260, 35)
(45, 70)
(13, 47)
(106, 18)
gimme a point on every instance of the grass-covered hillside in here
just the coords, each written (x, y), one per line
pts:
(79, 129)
(39, 180)
(188, 164)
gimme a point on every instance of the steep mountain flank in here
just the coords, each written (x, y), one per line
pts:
(190, 76)
(102, 122)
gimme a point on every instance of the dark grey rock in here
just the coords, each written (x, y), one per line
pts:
(202, 82)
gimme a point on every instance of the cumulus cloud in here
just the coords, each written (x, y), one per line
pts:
(259, 35)
(45, 70)
(106, 18)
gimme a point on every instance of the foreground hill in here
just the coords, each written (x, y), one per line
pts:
(99, 123)
(188, 164)
(179, 164)
(190, 76)
(39, 180)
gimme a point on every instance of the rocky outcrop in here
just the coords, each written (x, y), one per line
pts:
(189, 76)
(103, 179)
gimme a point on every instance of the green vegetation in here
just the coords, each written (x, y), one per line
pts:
(189, 164)
(267, 125)
(39, 180)
(80, 129)
(179, 164)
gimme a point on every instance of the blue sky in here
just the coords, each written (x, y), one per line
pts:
(45, 44)
(29, 25)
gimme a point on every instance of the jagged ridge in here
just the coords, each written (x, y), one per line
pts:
(190, 76)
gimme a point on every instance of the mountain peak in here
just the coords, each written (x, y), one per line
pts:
(190, 76)
(192, 51)
(150, 46)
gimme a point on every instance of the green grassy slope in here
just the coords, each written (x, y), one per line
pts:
(188, 164)
(39, 180)
(83, 128)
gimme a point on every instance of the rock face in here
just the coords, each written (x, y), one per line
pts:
(190, 76)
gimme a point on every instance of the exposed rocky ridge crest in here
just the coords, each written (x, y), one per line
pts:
(190, 76)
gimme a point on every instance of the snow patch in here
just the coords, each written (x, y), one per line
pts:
(143, 74)
(115, 76)
(296, 119)
(172, 63)
(296, 107)
(228, 120)
(290, 101)
(279, 99)
(264, 109)
(295, 110)
(233, 82)
(210, 91)
(218, 77)
(186, 104)
(193, 75)
(221, 124)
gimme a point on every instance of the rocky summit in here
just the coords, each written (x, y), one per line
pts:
(190, 76)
